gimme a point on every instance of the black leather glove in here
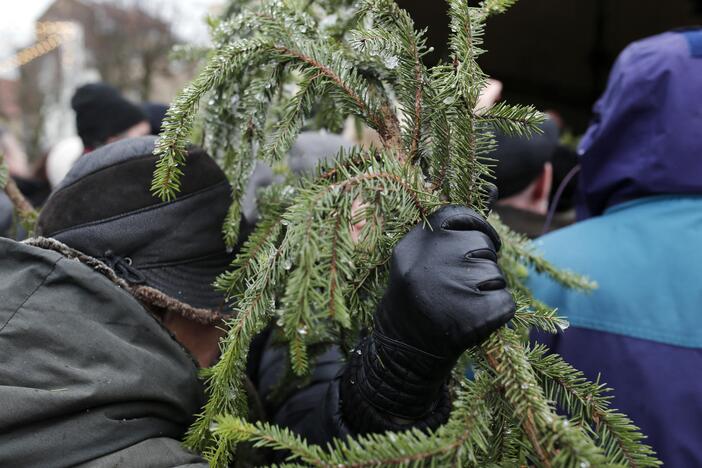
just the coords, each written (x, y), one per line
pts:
(445, 294)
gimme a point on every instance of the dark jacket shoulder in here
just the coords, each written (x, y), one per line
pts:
(85, 369)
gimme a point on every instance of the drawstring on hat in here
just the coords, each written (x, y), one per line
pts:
(123, 267)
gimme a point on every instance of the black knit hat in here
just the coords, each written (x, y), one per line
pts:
(520, 160)
(102, 112)
(104, 209)
(156, 113)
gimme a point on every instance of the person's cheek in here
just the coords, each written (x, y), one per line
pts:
(356, 207)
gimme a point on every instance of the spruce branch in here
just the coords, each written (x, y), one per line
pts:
(225, 385)
(171, 145)
(322, 215)
(459, 442)
(279, 66)
(411, 74)
(467, 24)
(291, 122)
(300, 238)
(554, 440)
(533, 314)
(440, 139)
(235, 430)
(493, 7)
(584, 401)
(506, 445)
(243, 266)
(513, 120)
(335, 78)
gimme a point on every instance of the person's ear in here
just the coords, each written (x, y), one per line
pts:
(542, 188)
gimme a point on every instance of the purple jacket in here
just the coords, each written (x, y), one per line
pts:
(641, 183)
(646, 134)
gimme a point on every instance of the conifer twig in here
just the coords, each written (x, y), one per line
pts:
(24, 209)
(407, 448)
(329, 73)
(528, 422)
(277, 68)
(562, 381)
(22, 205)
(332, 269)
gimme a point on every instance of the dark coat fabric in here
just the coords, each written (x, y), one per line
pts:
(87, 376)
(6, 214)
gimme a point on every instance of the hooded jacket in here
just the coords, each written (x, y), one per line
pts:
(126, 402)
(641, 329)
(644, 138)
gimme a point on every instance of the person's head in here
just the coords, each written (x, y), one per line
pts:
(61, 158)
(309, 149)
(169, 253)
(156, 113)
(103, 116)
(523, 171)
(644, 138)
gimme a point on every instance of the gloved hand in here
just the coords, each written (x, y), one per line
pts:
(445, 294)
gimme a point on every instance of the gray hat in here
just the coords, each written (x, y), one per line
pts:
(310, 149)
(104, 208)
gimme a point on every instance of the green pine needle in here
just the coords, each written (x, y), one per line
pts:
(313, 274)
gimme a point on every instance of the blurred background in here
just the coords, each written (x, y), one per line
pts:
(555, 54)
(50, 47)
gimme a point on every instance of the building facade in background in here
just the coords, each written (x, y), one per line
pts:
(116, 42)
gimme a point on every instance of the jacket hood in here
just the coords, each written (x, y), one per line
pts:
(644, 138)
(85, 371)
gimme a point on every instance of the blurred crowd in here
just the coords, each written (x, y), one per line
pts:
(102, 116)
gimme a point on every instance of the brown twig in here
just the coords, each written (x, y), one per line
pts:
(442, 175)
(390, 132)
(598, 416)
(22, 205)
(417, 102)
(332, 269)
(378, 123)
(532, 435)
(528, 423)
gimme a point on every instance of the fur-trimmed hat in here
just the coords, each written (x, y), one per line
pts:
(104, 209)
